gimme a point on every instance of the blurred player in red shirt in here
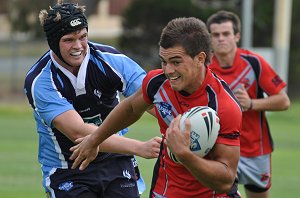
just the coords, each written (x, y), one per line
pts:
(250, 77)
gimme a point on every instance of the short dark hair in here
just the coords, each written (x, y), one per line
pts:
(225, 16)
(190, 33)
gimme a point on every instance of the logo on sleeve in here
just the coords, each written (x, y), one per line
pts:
(276, 80)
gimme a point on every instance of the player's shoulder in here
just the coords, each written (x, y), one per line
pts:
(155, 72)
(103, 48)
(155, 76)
(39, 66)
(153, 82)
(249, 53)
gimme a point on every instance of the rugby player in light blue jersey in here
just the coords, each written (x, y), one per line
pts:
(72, 88)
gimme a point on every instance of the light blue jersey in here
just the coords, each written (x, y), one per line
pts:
(52, 90)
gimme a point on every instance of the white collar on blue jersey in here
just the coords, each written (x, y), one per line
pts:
(79, 81)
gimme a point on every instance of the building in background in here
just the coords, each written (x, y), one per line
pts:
(107, 22)
(104, 17)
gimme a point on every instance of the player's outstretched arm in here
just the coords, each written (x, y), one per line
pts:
(119, 144)
(122, 116)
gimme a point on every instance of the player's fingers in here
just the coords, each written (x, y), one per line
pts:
(73, 156)
(78, 140)
(177, 119)
(187, 123)
(175, 123)
(77, 161)
(172, 123)
(84, 164)
(73, 148)
(157, 152)
(188, 127)
(158, 139)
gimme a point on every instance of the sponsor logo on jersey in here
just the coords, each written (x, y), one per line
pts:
(98, 93)
(96, 120)
(126, 174)
(165, 109)
(66, 186)
(75, 22)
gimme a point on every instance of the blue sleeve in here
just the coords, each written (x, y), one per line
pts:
(48, 102)
(129, 71)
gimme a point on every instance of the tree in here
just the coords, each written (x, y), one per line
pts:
(23, 14)
(143, 22)
(294, 61)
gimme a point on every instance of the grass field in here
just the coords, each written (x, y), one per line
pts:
(20, 174)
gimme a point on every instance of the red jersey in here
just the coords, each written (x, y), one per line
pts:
(258, 78)
(171, 179)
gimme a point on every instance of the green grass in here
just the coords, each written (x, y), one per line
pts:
(20, 174)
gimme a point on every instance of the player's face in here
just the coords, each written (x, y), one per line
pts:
(73, 47)
(223, 39)
(184, 72)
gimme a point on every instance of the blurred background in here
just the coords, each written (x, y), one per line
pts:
(269, 27)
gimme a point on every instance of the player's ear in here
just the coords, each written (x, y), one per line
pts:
(237, 37)
(201, 58)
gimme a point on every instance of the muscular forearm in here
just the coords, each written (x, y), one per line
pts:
(118, 144)
(277, 102)
(213, 174)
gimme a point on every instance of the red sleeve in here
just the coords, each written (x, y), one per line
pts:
(269, 80)
(230, 122)
(146, 82)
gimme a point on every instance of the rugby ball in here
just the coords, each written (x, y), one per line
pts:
(205, 126)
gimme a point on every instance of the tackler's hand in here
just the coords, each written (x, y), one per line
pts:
(84, 152)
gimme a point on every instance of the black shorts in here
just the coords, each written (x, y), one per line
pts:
(112, 177)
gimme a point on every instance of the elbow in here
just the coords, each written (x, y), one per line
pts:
(73, 136)
(227, 185)
(286, 104)
(225, 188)
(76, 136)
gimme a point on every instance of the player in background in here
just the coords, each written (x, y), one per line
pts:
(250, 77)
(183, 82)
(72, 88)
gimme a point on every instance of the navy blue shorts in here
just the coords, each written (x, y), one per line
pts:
(112, 177)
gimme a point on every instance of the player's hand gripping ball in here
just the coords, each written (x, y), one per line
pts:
(205, 126)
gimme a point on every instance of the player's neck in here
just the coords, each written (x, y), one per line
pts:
(226, 60)
(73, 70)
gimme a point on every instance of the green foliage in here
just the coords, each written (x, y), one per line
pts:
(294, 70)
(24, 9)
(263, 12)
(144, 21)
